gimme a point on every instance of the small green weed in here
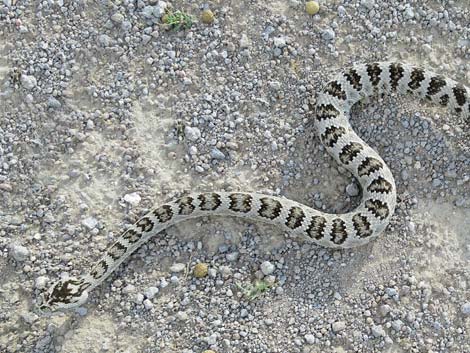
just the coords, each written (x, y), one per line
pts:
(253, 291)
(177, 20)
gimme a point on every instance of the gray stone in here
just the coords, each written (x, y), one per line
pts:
(132, 198)
(309, 338)
(117, 17)
(53, 103)
(378, 331)
(338, 326)
(28, 81)
(192, 133)
(267, 268)
(150, 292)
(465, 309)
(217, 154)
(328, 34)
(90, 222)
(352, 189)
(177, 267)
(19, 252)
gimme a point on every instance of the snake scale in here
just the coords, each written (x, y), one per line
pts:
(331, 120)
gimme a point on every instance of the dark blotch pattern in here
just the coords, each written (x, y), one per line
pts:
(116, 251)
(374, 71)
(334, 89)
(460, 94)
(185, 205)
(332, 134)
(295, 217)
(163, 213)
(349, 152)
(62, 293)
(381, 185)
(362, 226)
(444, 100)
(210, 201)
(132, 236)
(99, 270)
(368, 166)
(338, 231)
(316, 229)
(326, 111)
(396, 74)
(240, 202)
(378, 208)
(417, 76)
(145, 224)
(270, 208)
(435, 85)
(354, 79)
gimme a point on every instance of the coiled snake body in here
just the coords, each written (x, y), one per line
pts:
(346, 230)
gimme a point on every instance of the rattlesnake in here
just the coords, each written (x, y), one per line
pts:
(346, 230)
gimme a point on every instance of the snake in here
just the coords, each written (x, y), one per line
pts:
(330, 118)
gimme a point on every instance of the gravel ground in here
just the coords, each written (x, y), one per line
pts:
(106, 113)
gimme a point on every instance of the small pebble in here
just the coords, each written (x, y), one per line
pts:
(465, 308)
(148, 304)
(309, 338)
(28, 82)
(267, 268)
(177, 267)
(352, 189)
(41, 282)
(19, 253)
(150, 292)
(378, 331)
(217, 154)
(133, 199)
(192, 133)
(338, 326)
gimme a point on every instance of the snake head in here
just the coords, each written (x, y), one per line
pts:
(65, 294)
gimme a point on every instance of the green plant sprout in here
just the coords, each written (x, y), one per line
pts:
(177, 20)
(253, 291)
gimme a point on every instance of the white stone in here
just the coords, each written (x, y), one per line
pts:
(138, 298)
(244, 41)
(117, 17)
(338, 326)
(465, 308)
(28, 81)
(378, 331)
(352, 190)
(267, 268)
(40, 282)
(177, 267)
(133, 198)
(279, 42)
(182, 316)
(19, 252)
(309, 338)
(192, 133)
(128, 289)
(90, 222)
(150, 292)
(148, 304)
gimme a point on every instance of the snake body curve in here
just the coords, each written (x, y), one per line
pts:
(331, 120)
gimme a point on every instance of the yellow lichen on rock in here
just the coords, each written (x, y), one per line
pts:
(312, 7)
(207, 17)
(200, 270)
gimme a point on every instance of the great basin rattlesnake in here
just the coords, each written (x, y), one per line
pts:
(351, 229)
